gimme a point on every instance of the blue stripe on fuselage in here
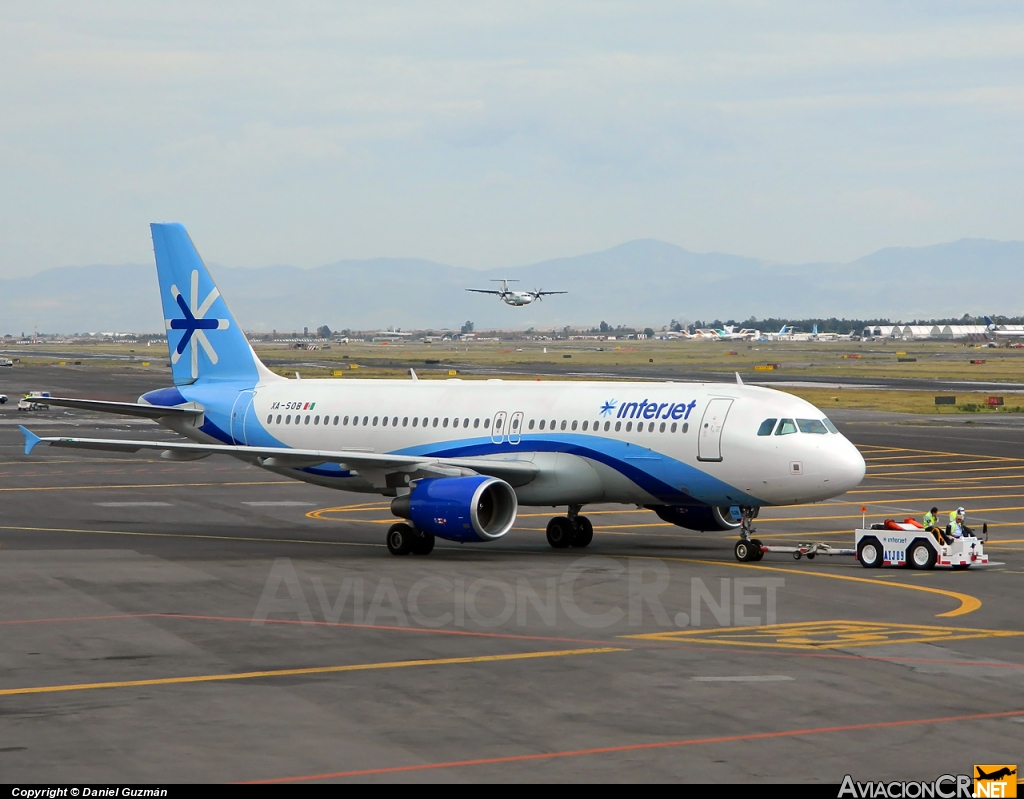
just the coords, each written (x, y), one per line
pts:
(657, 474)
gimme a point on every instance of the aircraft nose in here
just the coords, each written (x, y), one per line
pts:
(850, 466)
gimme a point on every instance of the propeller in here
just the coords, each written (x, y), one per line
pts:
(537, 294)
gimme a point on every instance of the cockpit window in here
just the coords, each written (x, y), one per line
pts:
(811, 426)
(786, 426)
(766, 427)
(831, 427)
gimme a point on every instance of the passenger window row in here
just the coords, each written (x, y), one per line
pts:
(415, 421)
(383, 421)
(651, 426)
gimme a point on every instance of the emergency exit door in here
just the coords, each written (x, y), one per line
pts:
(515, 427)
(709, 440)
(498, 428)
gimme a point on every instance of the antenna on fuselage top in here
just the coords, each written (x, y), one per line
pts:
(412, 373)
(739, 380)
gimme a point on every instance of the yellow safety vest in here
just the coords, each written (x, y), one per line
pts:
(929, 520)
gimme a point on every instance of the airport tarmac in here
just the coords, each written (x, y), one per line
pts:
(777, 379)
(208, 621)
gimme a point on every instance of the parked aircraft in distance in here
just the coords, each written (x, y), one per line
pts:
(798, 335)
(516, 298)
(730, 333)
(459, 457)
(1003, 331)
(779, 336)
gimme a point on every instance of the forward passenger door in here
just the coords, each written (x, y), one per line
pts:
(709, 439)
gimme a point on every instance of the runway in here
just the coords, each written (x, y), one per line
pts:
(209, 621)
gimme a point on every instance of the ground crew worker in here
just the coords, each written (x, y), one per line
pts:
(956, 522)
(931, 525)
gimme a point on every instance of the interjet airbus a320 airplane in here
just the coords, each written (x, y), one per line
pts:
(459, 457)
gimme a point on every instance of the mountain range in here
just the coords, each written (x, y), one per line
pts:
(642, 282)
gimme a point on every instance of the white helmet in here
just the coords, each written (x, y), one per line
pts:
(961, 511)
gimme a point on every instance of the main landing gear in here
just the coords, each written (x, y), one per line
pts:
(748, 549)
(403, 539)
(572, 530)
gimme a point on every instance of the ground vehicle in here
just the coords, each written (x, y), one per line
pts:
(31, 401)
(6, 362)
(3, 399)
(908, 544)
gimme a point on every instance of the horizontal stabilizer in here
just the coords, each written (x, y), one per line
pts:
(514, 472)
(141, 409)
(31, 439)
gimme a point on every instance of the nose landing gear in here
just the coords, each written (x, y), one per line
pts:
(748, 549)
(570, 530)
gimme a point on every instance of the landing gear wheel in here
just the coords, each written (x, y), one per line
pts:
(922, 556)
(744, 551)
(423, 544)
(401, 538)
(869, 553)
(584, 532)
(756, 544)
(560, 532)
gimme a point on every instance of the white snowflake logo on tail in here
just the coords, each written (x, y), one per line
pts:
(194, 325)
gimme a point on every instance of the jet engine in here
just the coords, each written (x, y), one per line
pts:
(696, 517)
(474, 508)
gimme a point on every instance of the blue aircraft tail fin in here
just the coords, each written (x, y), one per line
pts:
(204, 341)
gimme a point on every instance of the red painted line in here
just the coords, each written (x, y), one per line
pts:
(603, 750)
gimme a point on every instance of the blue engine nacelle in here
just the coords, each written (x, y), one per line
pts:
(475, 508)
(697, 517)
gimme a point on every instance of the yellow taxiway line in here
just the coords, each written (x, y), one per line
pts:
(251, 675)
(968, 603)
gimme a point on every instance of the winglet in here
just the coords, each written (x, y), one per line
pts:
(739, 380)
(412, 373)
(31, 439)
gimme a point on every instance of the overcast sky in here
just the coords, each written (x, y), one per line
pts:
(486, 134)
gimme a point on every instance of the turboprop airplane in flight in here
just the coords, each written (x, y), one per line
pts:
(457, 457)
(516, 298)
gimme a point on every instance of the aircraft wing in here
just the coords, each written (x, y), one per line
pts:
(486, 291)
(545, 293)
(142, 409)
(376, 467)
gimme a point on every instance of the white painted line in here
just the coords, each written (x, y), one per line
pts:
(284, 504)
(752, 678)
(134, 504)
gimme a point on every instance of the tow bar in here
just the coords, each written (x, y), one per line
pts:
(808, 549)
